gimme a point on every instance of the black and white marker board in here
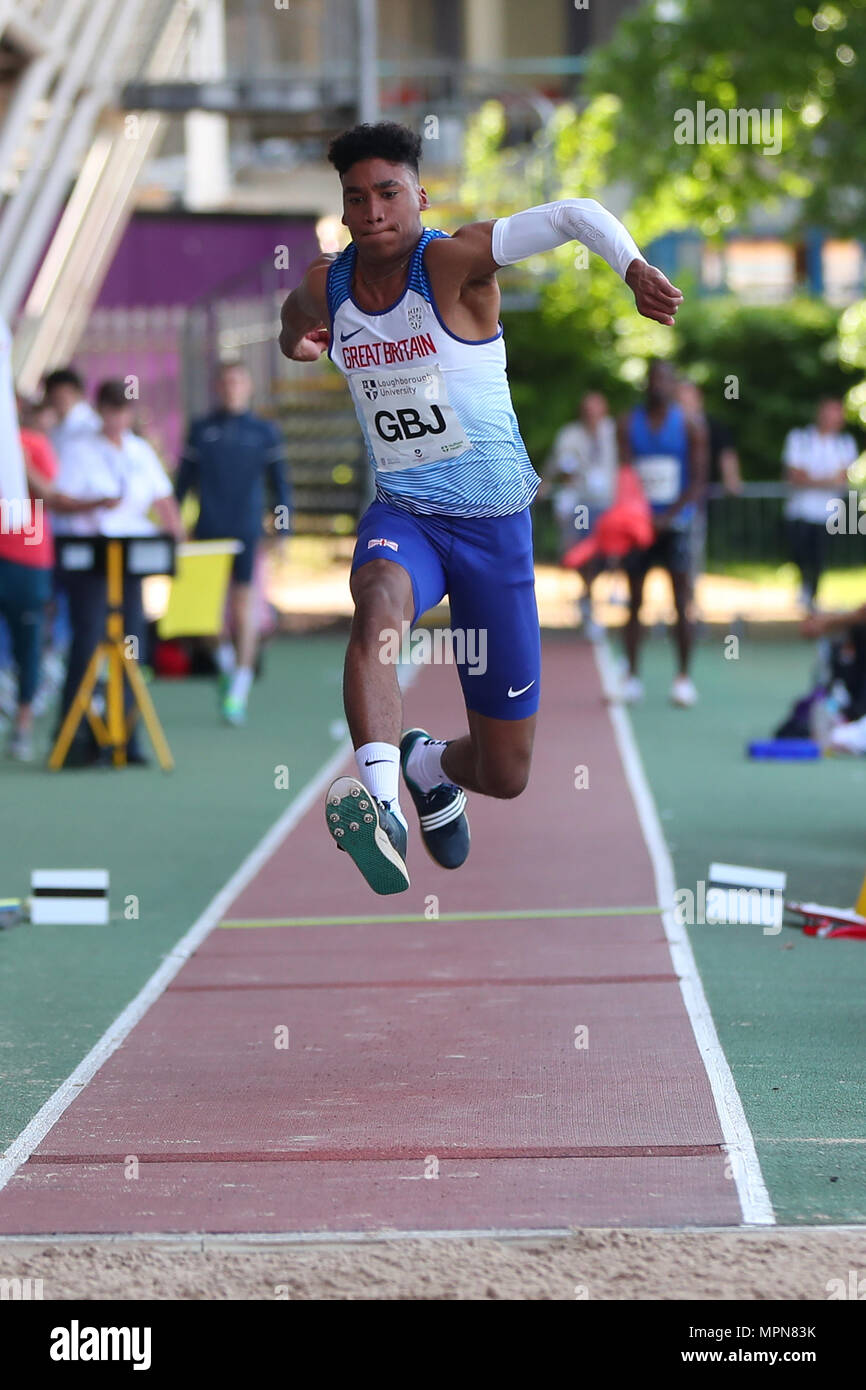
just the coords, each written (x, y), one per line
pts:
(69, 897)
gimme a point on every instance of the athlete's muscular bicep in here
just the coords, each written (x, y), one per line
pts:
(463, 276)
(467, 256)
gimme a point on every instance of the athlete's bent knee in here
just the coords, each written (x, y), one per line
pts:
(505, 783)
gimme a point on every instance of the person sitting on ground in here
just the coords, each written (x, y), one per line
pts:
(843, 637)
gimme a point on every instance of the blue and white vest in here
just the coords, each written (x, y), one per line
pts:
(435, 409)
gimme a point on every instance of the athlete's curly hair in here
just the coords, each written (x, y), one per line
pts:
(396, 144)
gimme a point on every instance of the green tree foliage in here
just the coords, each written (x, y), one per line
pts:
(779, 359)
(762, 368)
(805, 61)
(585, 331)
(620, 145)
(852, 354)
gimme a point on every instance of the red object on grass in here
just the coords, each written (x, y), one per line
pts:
(822, 921)
(171, 660)
(625, 526)
(824, 926)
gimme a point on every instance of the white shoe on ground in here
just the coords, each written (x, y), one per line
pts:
(629, 690)
(20, 746)
(683, 692)
(849, 738)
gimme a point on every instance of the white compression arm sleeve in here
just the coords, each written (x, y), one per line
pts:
(553, 224)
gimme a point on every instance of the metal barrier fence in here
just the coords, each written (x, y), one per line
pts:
(746, 529)
(749, 528)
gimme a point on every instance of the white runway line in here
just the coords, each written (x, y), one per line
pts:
(752, 1191)
(22, 1147)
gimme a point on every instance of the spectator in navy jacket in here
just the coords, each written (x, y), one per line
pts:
(228, 456)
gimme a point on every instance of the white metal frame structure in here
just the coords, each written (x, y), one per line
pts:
(68, 152)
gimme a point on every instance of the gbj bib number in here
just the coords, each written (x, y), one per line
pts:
(408, 418)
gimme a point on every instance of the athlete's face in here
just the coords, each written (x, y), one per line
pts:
(382, 205)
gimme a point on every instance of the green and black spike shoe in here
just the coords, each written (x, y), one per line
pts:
(369, 833)
(441, 812)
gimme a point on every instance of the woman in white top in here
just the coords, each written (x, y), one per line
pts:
(111, 462)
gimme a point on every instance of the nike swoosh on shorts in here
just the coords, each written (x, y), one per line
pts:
(513, 693)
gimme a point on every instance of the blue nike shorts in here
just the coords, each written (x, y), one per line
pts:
(485, 566)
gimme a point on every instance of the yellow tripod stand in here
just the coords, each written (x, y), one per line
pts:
(114, 731)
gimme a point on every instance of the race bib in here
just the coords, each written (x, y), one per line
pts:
(408, 418)
(660, 475)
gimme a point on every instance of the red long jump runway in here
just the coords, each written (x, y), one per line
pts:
(438, 1048)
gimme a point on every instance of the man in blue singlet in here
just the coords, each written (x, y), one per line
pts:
(668, 449)
(410, 316)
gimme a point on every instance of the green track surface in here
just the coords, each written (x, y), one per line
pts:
(789, 1009)
(172, 839)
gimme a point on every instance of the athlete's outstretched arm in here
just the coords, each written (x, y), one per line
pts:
(303, 334)
(491, 245)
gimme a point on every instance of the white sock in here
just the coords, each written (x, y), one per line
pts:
(225, 658)
(424, 764)
(241, 682)
(379, 770)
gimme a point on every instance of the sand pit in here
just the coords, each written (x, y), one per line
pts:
(793, 1263)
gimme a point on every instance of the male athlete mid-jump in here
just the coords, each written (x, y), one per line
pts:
(410, 316)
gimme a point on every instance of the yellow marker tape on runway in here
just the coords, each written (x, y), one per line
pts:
(518, 916)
